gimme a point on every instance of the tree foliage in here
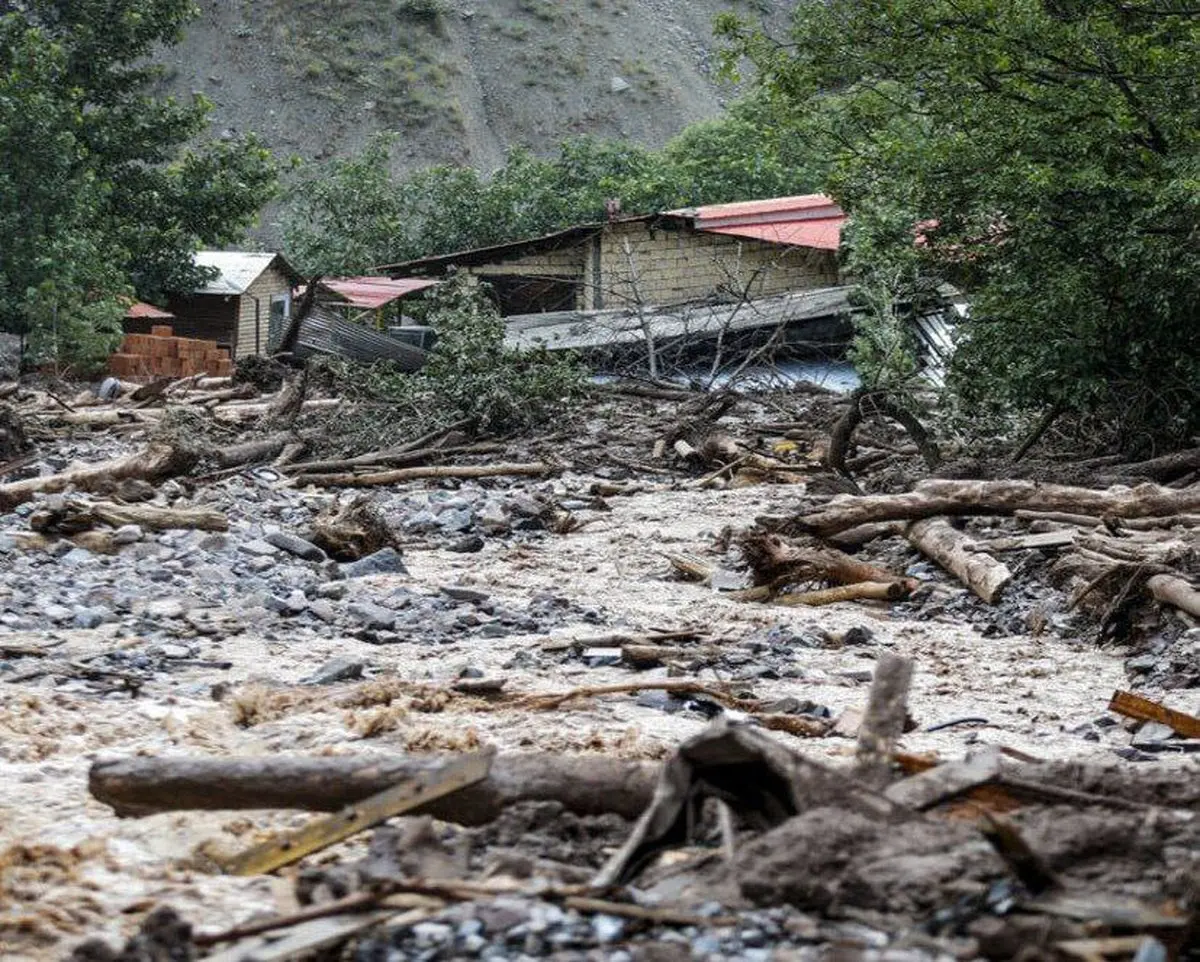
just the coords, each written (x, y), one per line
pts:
(100, 196)
(354, 214)
(1050, 151)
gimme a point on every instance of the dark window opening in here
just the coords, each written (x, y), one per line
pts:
(533, 295)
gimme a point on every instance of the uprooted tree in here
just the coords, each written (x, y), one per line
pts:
(1042, 157)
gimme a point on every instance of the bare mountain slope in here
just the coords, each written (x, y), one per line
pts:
(459, 80)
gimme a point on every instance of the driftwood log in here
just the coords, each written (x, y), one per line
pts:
(589, 784)
(252, 452)
(775, 561)
(432, 471)
(156, 463)
(958, 553)
(936, 497)
(72, 516)
(585, 785)
(1175, 591)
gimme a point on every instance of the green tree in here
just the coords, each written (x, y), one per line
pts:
(1051, 149)
(99, 195)
(354, 214)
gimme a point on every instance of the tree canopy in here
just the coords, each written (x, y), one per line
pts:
(101, 191)
(1045, 156)
(354, 213)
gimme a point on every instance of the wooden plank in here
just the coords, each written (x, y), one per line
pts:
(938, 784)
(308, 937)
(1135, 706)
(323, 832)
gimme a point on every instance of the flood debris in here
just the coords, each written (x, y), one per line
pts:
(649, 676)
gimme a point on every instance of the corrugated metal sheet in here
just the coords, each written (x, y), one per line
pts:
(140, 310)
(825, 234)
(370, 293)
(757, 209)
(239, 269)
(807, 220)
(323, 332)
(581, 330)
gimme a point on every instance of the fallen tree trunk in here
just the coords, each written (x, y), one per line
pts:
(252, 452)
(75, 516)
(937, 497)
(394, 459)
(1175, 591)
(585, 785)
(156, 463)
(430, 471)
(961, 556)
(1168, 467)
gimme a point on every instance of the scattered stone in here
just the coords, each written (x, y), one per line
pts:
(294, 544)
(340, 668)
(372, 615)
(618, 85)
(175, 651)
(385, 561)
(259, 548)
(460, 593)
(127, 534)
(88, 618)
(468, 545)
(165, 608)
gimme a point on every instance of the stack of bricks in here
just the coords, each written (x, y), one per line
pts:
(161, 354)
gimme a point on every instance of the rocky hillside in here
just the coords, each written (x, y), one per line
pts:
(459, 80)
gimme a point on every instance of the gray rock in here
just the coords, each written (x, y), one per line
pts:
(372, 615)
(618, 85)
(607, 928)
(56, 613)
(213, 543)
(259, 565)
(294, 544)
(7, 544)
(109, 389)
(76, 557)
(385, 561)
(89, 617)
(322, 609)
(332, 589)
(165, 608)
(258, 548)
(127, 534)
(454, 521)
(461, 593)
(468, 545)
(337, 669)
(175, 651)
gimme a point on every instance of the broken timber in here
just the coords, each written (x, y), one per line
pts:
(405, 796)
(959, 554)
(586, 786)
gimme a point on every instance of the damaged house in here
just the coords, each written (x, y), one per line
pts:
(243, 308)
(699, 271)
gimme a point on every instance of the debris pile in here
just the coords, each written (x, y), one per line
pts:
(599, 691)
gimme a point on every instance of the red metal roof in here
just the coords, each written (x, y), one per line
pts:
(807, 220)
(144, 311)
(824, 234)
(373, 292)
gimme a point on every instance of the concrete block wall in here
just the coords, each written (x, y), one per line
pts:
(664, 267)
